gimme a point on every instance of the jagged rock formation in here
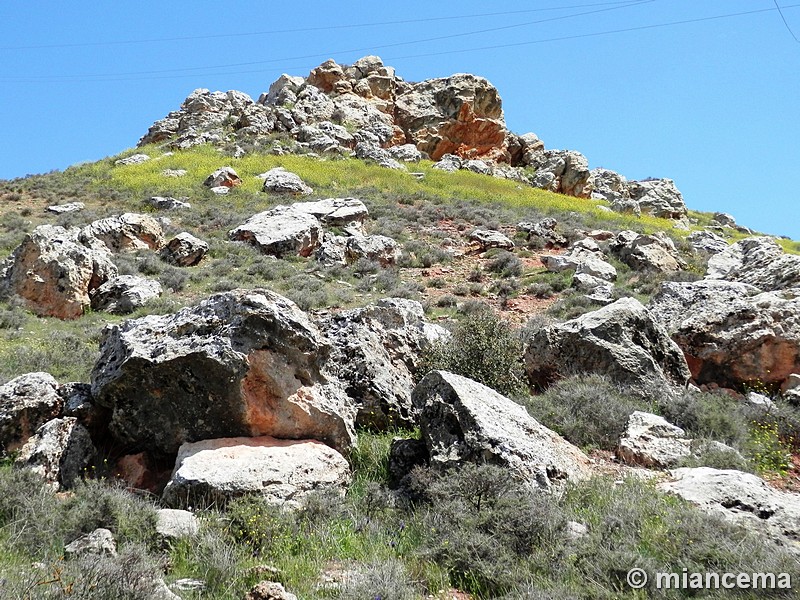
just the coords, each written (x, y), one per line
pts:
(759, 261)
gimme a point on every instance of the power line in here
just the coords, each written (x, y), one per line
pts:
(783, 18)
(103, 76)
(310, 29)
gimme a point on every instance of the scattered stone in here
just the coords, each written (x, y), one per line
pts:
(759, 400)
(621, 340)
(188, 585)
(220, 190)
(488, 238)
(405, 153)
(240, 363)
(100, 542)
(59, 451)
(595, 289)
(724, 219)
(223, 177)
(464, 421)
(166, 203)
(175, 524)
(449, 163)
(174, 172)
(53, 272)
(26, 403)
(280, 231)
(184, 250)
(61, 209)
(651, 441)
(743, 499)
(269, 590)
(283, 472)
(135, 159)
(332, 250)
(126, 233)
(545, 230)
(759, 261)
(124, 294)
(379, 248)
(597, 268)
(281, 181)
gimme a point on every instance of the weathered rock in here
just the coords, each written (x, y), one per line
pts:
(759, 261)
(332, 250)
(326, 76)
(647, 252)
(449, 163)
(621, 340)
(184, 250)
(78, 403)
(743, 499)
(651, 441)
(608, 185)
(724, 219)
(544, 230)
(125, 233)
(61, 209)
(563, 171)
(269, 590)
(373, 152)
(176, 524)
(124, 294)
(405, 153)
(376, 352)
(659, 197)
(167, 203)
(707, 241)
(134, 159)
(281, 181)
(597, 268)
(488, 238)
(283, 472)
(241, 363)
(731, 334)
(26, 403)
(100, 541)
(464, 421)
(280, 231)
(461, 114)
(335, 211)
(595, 289)
(625, 206)
(54, 273)
(174, 172)
(59, 451)
(223, 177)
(379, 248)
(404, 455)
(582, 251)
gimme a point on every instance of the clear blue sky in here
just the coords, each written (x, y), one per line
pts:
(712, 104)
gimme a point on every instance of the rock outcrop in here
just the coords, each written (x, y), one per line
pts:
(655, 252)
(26, 403)
(283, 472)
(622, 340)
(659, 197)
(563, 171)
(241, 363)
(759, 261)
(125, 233)
(731, 334)
(281, 231)
(462, 420)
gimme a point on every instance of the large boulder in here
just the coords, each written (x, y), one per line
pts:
(337, 212)
(376, 351)
(26, 403)
(563, 171)
(60, 451)
(609, 185)
(281, 181)
(489, 238)
(659, 197)
(464, 421)
(280, 231)
(223, 177)
(622, 340)
(241, 363)
(53, 272)
(743, 499)
(651, 441)
(124, 294)
(126, 233)
(707, 242)
(184, 250)
(461, 114)
(759, 261)
(731, 334)
(283, 472)
(642, 252)
(379, 248)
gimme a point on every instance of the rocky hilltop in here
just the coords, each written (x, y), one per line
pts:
(358, 317)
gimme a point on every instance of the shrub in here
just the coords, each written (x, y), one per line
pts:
(386, 579)
(505, 264)
(484, 348)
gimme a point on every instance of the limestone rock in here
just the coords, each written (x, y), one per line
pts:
(462, 420)
(125, 233)
(26, 403)
(61, 209)
(707, 241)
(134, 159)
(124, 294)
(449, 163)
(100, 541)
(743, 499)
(167, 203)
(659, 197)
(405, 153)
(597, 268)
(241, 363)
(281, 181)
(759, 261)
(647, 252)
(488, 238)
(651, 441)
(269, 590)
(621, 340)
(283, 472)
(731, 334)
(376, 352)
(373, 152)
(563, 171)
(223, 177)
(53, 272)
(595, 289)
(184, 250)
(176, 524)
(336, 212)
(280, 231)
(59, 451)
(608, 185)
(544, 230)
(379, 248)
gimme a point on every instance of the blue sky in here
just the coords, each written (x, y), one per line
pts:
(712, 103)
